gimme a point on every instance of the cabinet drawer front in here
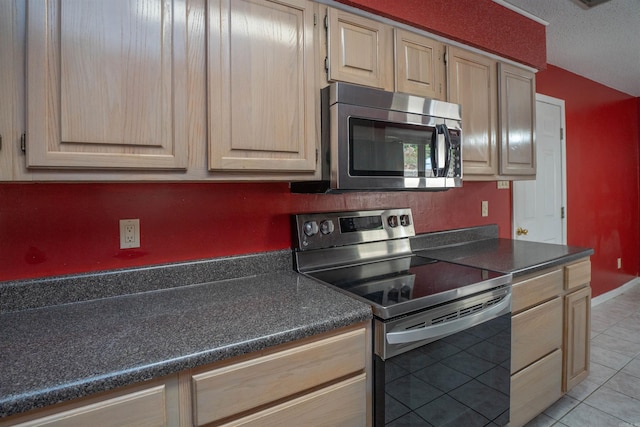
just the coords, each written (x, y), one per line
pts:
(342, 404)
(142, 408)
(537, 289)
(535, 388)
(578, 274)
(535, 333)
(229, 390)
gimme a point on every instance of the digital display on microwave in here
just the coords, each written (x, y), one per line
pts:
(360, 223)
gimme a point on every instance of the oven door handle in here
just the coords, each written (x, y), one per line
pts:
(451, 327)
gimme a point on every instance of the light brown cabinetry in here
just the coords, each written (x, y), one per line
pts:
(106, 84)
(367, 52)
(471, 82)
(261, 81)
(321, 381)
(152, 404)
(247, 385)
(536, 349)
(359, 50)
(498, 116)
(550, 337)
(517, 121)
(11, 87)
(420, 68)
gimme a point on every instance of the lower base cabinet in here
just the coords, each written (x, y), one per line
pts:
(317, 381)
(550, 337)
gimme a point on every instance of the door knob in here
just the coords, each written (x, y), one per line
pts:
(522, 231)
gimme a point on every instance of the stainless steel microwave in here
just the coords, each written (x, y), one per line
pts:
(374, 140)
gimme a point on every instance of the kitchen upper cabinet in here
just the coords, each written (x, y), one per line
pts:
(517, 121)
(472, 84)
(367, 52)
(106, 84)
(360, 50)
(420, 67)
(11, 85)
(262, 93)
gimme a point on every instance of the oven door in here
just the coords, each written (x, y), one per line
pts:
(459, 374)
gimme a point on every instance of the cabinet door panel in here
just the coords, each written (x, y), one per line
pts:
(517, 121)
(419, 65)
(577, 337)
(472, 84)
(261, 85)
(106, 84)
(360, 50)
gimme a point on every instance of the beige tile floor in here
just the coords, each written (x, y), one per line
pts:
(610, 396)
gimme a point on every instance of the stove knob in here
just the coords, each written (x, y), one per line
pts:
(310, 228)
(405, 220)
(327, 227)
(392, 221)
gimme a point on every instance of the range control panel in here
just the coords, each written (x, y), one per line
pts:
(329, 229)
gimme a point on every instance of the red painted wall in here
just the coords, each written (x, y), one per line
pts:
(603, 190)
(52, 229)
(480, 23)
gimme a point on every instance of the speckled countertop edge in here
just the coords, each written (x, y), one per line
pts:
(56, 353)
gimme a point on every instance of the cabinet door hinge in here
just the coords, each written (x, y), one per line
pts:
(315, 19)
(23, 142)
(317, 155)
(561, 134)
(562, 212)
(0, 142)
(326, 64)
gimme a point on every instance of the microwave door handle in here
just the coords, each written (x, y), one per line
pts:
(447, 147)
(440, 150)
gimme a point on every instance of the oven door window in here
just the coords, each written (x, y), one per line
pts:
(379, 148)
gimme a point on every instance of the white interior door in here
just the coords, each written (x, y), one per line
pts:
(539, 207)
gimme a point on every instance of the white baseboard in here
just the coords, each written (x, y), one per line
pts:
(615, 292)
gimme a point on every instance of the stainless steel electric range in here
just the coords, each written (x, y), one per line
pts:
(442, 331)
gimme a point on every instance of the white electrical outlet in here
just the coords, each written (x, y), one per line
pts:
(485, 208)
(129, 233)
(619, 263)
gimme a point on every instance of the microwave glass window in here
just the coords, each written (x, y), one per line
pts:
(387, 149)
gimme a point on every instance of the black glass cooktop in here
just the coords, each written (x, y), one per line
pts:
(403, 285)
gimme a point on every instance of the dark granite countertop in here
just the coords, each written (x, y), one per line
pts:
(55, 353)
(480, 247)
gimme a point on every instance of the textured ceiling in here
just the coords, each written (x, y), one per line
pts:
(601, 43)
